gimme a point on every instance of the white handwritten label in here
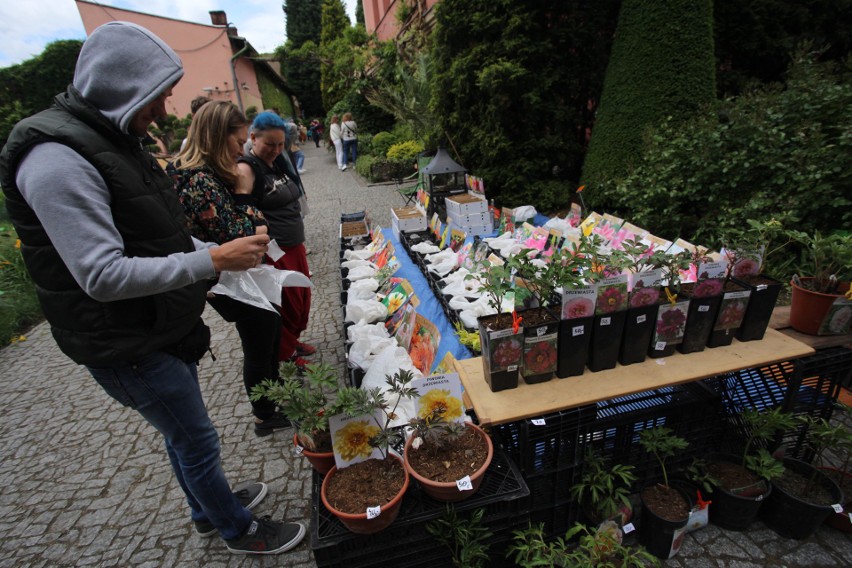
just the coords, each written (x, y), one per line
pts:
(538, 421)
(606, 321)
(838, 508)
(541, 331)
(464, 484)
(703, 308)
(298, 450)
(762, 287)
(373, 512)
(578, 330)
(641, 319)
(660, 345)
(511, 368)
(628, 528)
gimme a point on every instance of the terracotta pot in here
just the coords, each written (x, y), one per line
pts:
(320, 461)
(359, 523)
(808, 309)
(449, 491)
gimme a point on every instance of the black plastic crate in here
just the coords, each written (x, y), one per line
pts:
(501, 494)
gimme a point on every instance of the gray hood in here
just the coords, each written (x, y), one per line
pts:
(123, 67)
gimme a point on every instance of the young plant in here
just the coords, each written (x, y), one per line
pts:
(749, 249)
(672, 265)
(304, 401)
(761, 427)
(601, 488)
(466, 538)
(828, 259)
(433, 430)
(663, 443)
(824, 438)
(495, 281)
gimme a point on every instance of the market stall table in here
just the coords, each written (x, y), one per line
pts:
(529, 401)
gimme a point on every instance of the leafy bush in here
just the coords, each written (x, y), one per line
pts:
(404, 151)
(364, 165)
(773, 153)
(382, 141)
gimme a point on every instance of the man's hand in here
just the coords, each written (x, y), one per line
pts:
(239, 254)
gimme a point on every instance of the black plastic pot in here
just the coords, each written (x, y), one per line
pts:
(662, 537)
(699, 323)
(760, 306)
(575, 336)
(638, 329)
(789, 515)
(607, 330)
(500, 374)
(540, 347)
(736, 511)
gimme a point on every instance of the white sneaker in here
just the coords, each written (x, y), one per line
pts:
(343, 169)
(302, 171)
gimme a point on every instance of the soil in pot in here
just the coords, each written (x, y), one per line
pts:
(463, 456)
(764, 295)
(737, 500)
(665, 513)
(365, 484)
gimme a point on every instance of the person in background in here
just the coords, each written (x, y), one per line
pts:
(196, 104)
(316, 131)
(119, 278)
(276, 190)
(294, 135)
(337, 139)
(218, 210)
(349, 132)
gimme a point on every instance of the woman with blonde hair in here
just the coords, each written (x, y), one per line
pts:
(350, 138)
(218, 209)
(337, 139)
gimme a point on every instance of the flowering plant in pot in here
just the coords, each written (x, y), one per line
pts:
(364, 490)
(305, 401)
(603, 490)
(671, 317)
(644, 266)
(705, 295)
(501, 335)
(665, 508)
(819, 304)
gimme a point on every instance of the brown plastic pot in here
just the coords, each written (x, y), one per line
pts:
(808, 308)
(449, 491)
(320, 461)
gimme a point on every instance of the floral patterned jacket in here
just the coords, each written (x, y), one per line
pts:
(213, 213)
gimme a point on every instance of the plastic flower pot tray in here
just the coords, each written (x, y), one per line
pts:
(501, 494)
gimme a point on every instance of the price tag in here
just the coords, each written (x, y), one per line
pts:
(628, 528)
(641, 319)
(511, 368)
(762, 287)
(373, 512)
(605, 321)
(659, 346)
(464, 484)
(703, 308)
(298, 450)
(538, 421)
(838, 508)
(578, 330)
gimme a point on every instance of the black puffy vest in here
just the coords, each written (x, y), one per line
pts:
(148, 216)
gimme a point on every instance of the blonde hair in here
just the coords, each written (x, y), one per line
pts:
(346, 116)
(207, 140)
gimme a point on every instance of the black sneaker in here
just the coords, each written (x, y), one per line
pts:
(249, 494)
(265, 536)
(275, 422)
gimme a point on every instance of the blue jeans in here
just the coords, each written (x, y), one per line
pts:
(350, 146)
(165, 391)
(300, 159)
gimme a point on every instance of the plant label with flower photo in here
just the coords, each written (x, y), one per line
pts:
(423, 346)
(540, 351)
(645, 288)
(670, 325)
(579, 302)
(447, 364)
(401, 325)
(433, 224)
(466, 257)
(398, 296)
(377, 237)
(457, 237)
(732, 309)
(612, 295)
(441, 394)
(350, 438)
(838, 320)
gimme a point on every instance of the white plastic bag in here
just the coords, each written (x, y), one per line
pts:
(368, 311)
(259, 286)
(390, 361)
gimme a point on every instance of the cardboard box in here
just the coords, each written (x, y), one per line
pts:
(469, 220)
(407, 219)
(465, 204)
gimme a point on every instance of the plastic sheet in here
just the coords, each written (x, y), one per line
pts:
(259, 286)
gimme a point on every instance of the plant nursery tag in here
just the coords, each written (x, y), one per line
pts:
(538, 421)
(373, 512)
(703, 308)
(464, 484)
(762, 287)
(837, 508)
(628, 528)
(641, 319)
(578, 330)
(298, 450)
(605, 321)
(512, 368)
(660, 345)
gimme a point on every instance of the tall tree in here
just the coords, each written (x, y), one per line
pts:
(359, 12)
(304, 26)
(335, 24)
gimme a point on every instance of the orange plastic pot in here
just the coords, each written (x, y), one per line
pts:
(320, 461)
(808, 308)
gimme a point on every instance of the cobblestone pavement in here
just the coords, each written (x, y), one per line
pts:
(85, 482)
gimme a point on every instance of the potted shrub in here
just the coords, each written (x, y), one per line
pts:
(671, 316)
(741, 484)
(645, 296)
(836, 439)
(704, 295)
(665, 508)
(501, 335)
(364, 490)
(599, 547)
(824, 273)
(603, 491)
(305, 402)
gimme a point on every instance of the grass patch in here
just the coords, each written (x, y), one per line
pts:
(19, 307)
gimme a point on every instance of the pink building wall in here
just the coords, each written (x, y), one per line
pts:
(380, 17)
(205, 51)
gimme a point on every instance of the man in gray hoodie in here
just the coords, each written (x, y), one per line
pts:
(119, 278)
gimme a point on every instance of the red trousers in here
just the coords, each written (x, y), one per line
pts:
(295, 301)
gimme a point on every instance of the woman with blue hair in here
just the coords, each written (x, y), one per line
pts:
(276, 189)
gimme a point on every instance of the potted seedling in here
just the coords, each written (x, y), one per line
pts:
(466, 538)
(305, 401)
(364, 490)
(834, 440)
(818, 305)
(705, 295)
(644, 266)
(665, 508)
(603, 490)
(671, 315)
